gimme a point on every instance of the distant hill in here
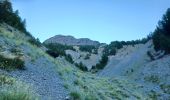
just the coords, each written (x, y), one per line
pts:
(70, 40)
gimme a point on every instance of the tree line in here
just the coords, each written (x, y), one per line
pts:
(12, 18)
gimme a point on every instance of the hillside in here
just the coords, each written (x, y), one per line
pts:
(139, 67)
(55, 78)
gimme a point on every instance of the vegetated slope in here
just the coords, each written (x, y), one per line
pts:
(87, 58)
(140, 67)
(39, 71)
(118, 65)
(145, 65)
(87, 86)
(43, 73)
(70, 40)
(83, 56)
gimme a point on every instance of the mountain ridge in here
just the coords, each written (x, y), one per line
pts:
(71, 40)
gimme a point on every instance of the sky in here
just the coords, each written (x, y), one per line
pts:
(101, 20)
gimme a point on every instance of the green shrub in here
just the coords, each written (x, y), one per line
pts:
(153, 79)
(69, 58)
(102, 63)
(91, 97)
(6, 80)
(87, 48)
(165, 88)
(75, 95)
(14, 96)
(153, 95)
(109, 50)
(59, 48)
(35, 42)
(10, 89)
(81, 66)
(8, 63)
(150, 55)
(95, 51)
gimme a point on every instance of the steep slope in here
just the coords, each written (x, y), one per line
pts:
(70, 40)
(119, 66)
(86, 58)
(39, 71)
(140, 68)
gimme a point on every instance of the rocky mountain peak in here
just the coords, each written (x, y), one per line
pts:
(70, 40)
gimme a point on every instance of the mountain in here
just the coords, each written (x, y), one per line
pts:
(70, 40)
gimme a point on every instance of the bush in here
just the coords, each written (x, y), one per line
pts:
(75, 95)
(6, 80)
(69, 58)
(152, 79)
(59, 48)
(34, 41)
(165, 88)
(87, 48)
(102, 63)
(150, 55)
(81, 66)
(109, 50)
(52, 53)
(95, 51)
(8, 63)
(15, 96)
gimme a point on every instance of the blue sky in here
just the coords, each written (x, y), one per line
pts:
(101, 20)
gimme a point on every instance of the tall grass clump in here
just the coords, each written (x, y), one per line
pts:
(11, 63)
(10, 89)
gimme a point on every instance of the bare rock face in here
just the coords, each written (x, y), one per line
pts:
(70, 40)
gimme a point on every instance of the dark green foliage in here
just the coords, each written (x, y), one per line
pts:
(109, 50)
(150, 55)
(11, 17)
(153, 79)
(87, 48)
(6, 80)
(75, 96)
(153, 95)
(34, 41)
(102, 63)
(95, 51)
(59, 48)
(81, 66)
(52, 53)
(113, 46)
(161, 35)
(116, 44)
(165, 88)
(8, 63)
(69, 58)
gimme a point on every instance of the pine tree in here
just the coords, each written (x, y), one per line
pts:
(161, 35)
